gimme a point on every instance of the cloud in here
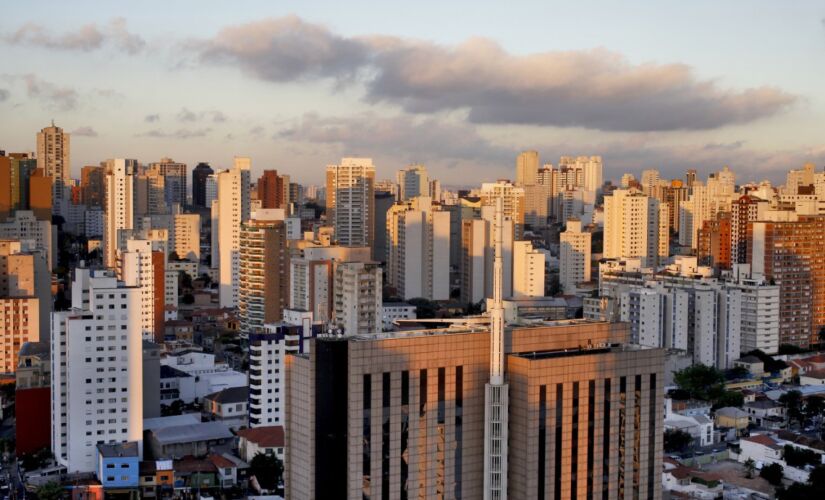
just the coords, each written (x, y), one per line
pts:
(87, 38)
(412, 138)
(182, 133)
(595, 89)
(187, 115)
(151, 118)
(59, 98)
(4, 94)
(84, 132)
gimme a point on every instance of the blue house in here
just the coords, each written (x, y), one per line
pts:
(118, 465)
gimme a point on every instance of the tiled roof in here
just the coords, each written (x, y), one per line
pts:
(763, 440)
(271, 436)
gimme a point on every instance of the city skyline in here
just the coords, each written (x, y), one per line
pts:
(298, 88)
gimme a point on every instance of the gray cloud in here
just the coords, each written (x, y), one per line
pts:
(84, 132)
(403, 137)
(596, 89)
(187, 115)
(59, 98)
(88, 38)
(4, 94)
(151, 118)
(182, 133)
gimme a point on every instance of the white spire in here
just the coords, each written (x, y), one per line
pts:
(497, 309)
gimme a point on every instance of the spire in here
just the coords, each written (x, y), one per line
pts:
(497, 307)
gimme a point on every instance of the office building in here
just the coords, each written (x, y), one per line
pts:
(263, 270)
(351, 201)
(273, 189)
(574, 256)
(232, 209)
(97, 370)
(54, 157)
(418, 250)
(403, 415)
(357, 303)
(119, 205)
(199, 175)
(413, 181)
(527, 167)
(635, 226)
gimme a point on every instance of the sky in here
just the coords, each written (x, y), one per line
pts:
(458, 86)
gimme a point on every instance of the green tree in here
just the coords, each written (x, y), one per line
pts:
(792, 401)
(677, 440)
(772, 473)
(424, 308)
(814, 406)
(267, 469)
(701, 382)
(750, 467)
(50, 491)
(729, 398)
(800, 457)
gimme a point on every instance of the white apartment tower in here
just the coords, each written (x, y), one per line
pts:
(418, 249)
(512, 198)
(119, 184)
(634, 227)
(413, 181)
(142, 265)
(574, 256)
(97, 370)
(351, 201)
(54, 158)
(528, 270)
(358, 297)
(233, 208)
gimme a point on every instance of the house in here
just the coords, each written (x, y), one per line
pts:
(697, 425)
(762, 448)
(157, 478)
(268, 440)
(178, 330)
(205, 376)
(229, 406)
(813, 377)
(231, 469)
(191, 439)
(754, 365)
(689, 482)
(191, 472)
(118, 465)
(766, 413)
(732, 418)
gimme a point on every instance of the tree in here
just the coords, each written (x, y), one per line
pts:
(814, 406)
(50, 491)
(677, 440)
(750, 467)
(267, 469)
(772, 473)
(792, 401)
(771, 365)
(424, 308)
(701, 382)
(729, 398)
(800, 457)
(736, 373)
(188, 299)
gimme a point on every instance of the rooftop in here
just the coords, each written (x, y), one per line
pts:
(230, 395)
(129, 449)
(204, 431)
(271, 436)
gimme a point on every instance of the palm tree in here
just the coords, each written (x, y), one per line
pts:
(750, 467)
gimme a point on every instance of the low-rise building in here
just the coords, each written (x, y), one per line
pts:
(268, 440)
(392, 311)
(229, 406)
(766, 413)
(731, 417)
(192, 439)
(118, 465)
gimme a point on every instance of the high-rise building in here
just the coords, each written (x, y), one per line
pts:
(358, 299)
(20, 302)
(24, 226)
(404, 414)
(512, 198)
(267, 369)
(92, 185)
(791, 253)
(418, 250)
(264, 270)
(273, 189)
(582, 171)
(150, 193)
(744, 210)
(651, 182)
(527, 168)
(674, 195)
(714, 246)
(477, 256)
(351, 201)
(635, 226)
(760, 315)
(413, 181)
(199, 176)
(185, 236)
(383, 201)
(119, 205)
(142, 264)
(97, 370)
(54, 157)
(574, 256)
(528, 270)
(25, 273)
(174, 180)
(233, 208)
(16, 171)
(40, 195)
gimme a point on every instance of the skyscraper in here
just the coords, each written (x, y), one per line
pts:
(174, 180)
(142, 264)
(635, 226)
(92, 185)
(357, 299)
(264, 270)
(273, 189)
(574, 256)
(199, 175)
(119, 205)
(527, 167)
(351, 201)
(413, 181)
(54, 157)
(233, 208)
(528, 270)
(512, 198)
